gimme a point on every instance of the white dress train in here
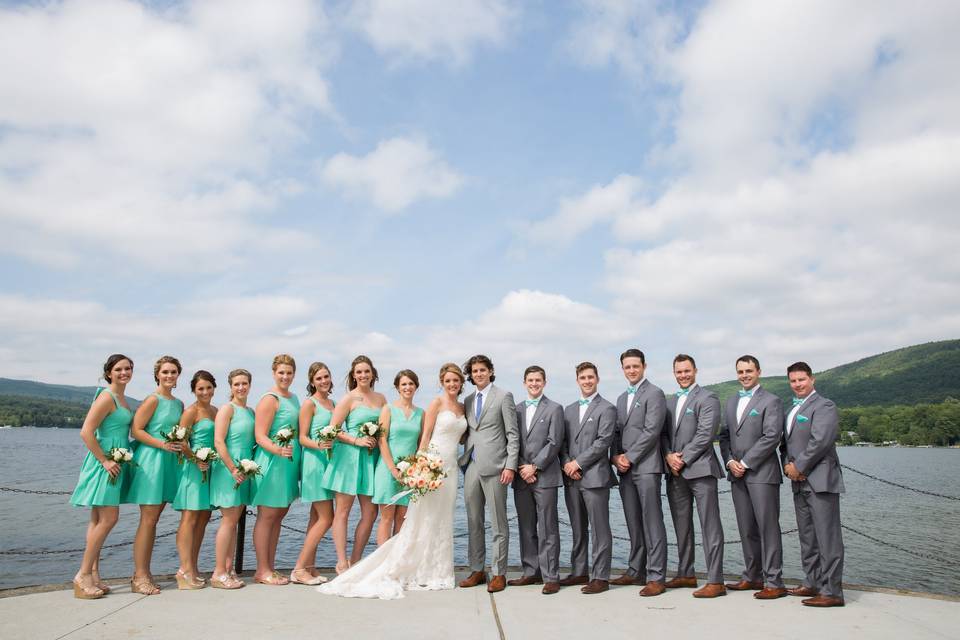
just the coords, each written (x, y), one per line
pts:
(420, 556)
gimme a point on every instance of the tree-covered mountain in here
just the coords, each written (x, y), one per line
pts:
(33, 389)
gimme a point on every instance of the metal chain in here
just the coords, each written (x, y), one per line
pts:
(901, 486)
(36, 491)
(925, 556)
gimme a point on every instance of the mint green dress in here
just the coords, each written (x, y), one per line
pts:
(279, 482)
(93, 487)
(402, 440)
(351, 470)
(315, 462)
(156, 476)
(193, 494)
(239, 443)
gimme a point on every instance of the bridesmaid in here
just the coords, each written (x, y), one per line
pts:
(233, 437)
(193, 495)
(277, 486)
(156, 475)
(400, 425)
(106, 426)
(314, 415)
(350, 473)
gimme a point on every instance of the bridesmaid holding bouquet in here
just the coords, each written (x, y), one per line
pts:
(229, 488)
(350, 473)
(193, 495)
(400, 424)
(314, 417)
(156, 476)
(278, 454)
(105, 429)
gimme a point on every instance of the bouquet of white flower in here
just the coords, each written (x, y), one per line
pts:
(176, 434)
(205, 454)
(122, 456)
(247, 468)
(284, 436)
(329, 434)
(421, 473)
(370, 429)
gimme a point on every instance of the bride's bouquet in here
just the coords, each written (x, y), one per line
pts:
(122, 456)
(420, 473)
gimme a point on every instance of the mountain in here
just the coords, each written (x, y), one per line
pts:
(924, 373)
(32, 389)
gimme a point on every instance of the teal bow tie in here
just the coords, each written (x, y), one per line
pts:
(746, 394)
(683, 392)
(631, 390)
(584, 402)
(532, 403)
(798, 401)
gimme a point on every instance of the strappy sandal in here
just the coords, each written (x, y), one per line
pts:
(86, 592)
(103, 586)
(226, 581)
(143, 585)
(303, 576)
(275, 579)
(187, 582)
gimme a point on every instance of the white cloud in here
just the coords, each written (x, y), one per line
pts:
(393, 176)
(446, 30)
(123, 125)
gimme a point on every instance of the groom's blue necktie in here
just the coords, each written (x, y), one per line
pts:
(479, 405)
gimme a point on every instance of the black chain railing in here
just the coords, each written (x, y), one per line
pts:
(900, 486)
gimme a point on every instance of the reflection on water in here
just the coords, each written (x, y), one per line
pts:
(50, 459)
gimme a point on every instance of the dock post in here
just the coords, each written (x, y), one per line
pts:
(241, 530)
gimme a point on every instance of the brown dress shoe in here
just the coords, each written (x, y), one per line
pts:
(474, 579)
(710, 590)
(744, 585)
(497, 583)
(625, 580)
(550, 588)
(595, 586)
(770, 593)
(823, 601)
(525, 580)
(653, 589)
(571, 580)
(680, 582)
(803, 591)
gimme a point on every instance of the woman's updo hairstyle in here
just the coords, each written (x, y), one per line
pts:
(111, 363)
(162, 360)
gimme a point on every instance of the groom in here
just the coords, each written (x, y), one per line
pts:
(489, 460)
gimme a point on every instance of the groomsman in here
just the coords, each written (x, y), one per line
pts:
(636, 455)
(810, 460)
(751, 431)
(693, 415)
(590, 424)
(535, 487)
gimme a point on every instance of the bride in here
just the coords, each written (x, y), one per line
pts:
(420, 557)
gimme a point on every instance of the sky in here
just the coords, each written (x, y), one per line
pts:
(544, 182)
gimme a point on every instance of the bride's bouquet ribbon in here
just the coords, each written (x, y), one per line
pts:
(420, 473)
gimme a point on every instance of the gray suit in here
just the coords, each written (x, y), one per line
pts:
(639, 428)
(756, 496)
(588, 499)
(491, 445)
(691, 433)
(811, 447)
(536, 503)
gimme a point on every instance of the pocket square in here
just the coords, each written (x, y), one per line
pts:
(636, 404)
(754, 412)
(688, 412)
(801, 418)
(590, 420)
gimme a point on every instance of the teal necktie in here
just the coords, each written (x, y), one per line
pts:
(746, 394)
(683, 392)
(584, 402)
(631, 390)
(798, 401)
(532, 403)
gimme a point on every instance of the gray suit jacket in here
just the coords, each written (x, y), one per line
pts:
(540, 445)
(588, 442)
(693, 434)
(494, 441)
(811, 445)
(754, 438)
(639, 429)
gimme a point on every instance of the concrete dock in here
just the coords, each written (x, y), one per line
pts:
(295, 611)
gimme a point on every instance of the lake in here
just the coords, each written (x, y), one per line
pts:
(50, 459)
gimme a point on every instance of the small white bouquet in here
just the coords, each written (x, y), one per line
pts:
(284, 436)
(328, 433)
(122, 456)
(370, 429)
(205, 454)
(420, 473)
(176, 434)
(247, 468)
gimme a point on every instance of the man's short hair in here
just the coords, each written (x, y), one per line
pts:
(535, 368)
(587, 365)
(633, 353)
(682, 357)
(751, 359)
(800, 366)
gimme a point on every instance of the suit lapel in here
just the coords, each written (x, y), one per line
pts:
(750, 405)
(536, 413)
(488, 397)
(806, 405)
(589, 412)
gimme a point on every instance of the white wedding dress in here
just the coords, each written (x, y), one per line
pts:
(420, 556)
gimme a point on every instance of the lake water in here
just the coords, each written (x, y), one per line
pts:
(50, 459)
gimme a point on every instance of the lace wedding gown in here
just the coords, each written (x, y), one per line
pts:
(420, 557)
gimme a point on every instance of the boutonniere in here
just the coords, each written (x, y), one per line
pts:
(688, 412)
(754, 412)
(802, 418)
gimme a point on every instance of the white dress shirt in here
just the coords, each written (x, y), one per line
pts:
(584, 407)
(794, 411)
(744, 401)
(631, 396)
(681, 403)
(530, 410)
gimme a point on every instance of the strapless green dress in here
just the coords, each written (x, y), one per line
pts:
(193, 493)
(156, 476)
(352, 467)
(315, 462)
(93, 487)
(239, 442)
(279, 482)
(402, 439)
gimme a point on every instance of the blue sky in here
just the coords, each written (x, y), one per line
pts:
(543, 181)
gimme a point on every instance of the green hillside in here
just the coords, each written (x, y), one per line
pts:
(924, 373)
(32, 389)
(38, 404)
